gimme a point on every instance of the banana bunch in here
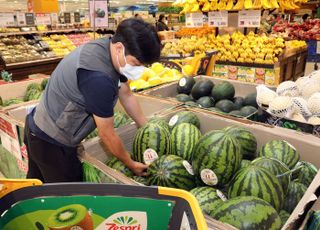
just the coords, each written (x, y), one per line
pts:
(190, 6)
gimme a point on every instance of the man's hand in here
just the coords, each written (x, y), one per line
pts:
(138, 168)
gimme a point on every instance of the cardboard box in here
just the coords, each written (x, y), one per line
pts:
(18, 90)
(267, 118)
(306, 145)
(12, 125)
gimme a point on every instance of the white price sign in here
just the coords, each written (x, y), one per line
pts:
(54, 18)
(194, 20)
(21, 18)
(218, 18)
(43, 19)
(249, 18)
(7, 19)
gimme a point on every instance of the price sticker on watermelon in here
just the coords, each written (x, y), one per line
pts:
(173, 120)
(209, 177)
(150, 156)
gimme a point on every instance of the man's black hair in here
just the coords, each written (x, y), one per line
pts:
(161, 17)
(140, 40)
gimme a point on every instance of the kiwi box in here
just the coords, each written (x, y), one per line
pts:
(307, 145)
(242, 91)
(17, 90)
(12, 129)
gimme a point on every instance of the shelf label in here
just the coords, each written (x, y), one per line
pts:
(218, 18)
(7, 19)
(21, 18)
(54, 18)
(29, 19)
(77, 17)
(99, 13)
(67, 18)
(43, 19)
(194, 20)
(249, 18)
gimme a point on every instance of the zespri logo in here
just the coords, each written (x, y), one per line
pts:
(125, 221)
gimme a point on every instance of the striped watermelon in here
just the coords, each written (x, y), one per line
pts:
(295, 192)
(247, 141)
(119, 166)
(257, 181)
(216, 158)
(160, 121)
(282, 151)
(120, 119)
(277, 168)
(151, 136)
(284, 216)
(245, 163)
(208, 198)
(305, 173)
(184, 138)
(184, 117)
(171, 171)
(248, 213)
(140, 179)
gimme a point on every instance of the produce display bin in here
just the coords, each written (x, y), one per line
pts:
(17, 90)
(307, 145)
(99, 206)
(12, 132)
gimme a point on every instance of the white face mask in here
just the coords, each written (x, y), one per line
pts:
(129, 71)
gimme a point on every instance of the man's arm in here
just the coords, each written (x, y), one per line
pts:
(111, 139)
(131, 105)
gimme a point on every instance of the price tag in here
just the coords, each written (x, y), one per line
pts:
(99, 13)
(218, 18)
(43, 19)
(54, 18)
(77, 17)
(7, 19)
(249, 18)
(67, 18)
(29, 19)
(318, 47)
(21, 18)
(194, 20)
(150, 156)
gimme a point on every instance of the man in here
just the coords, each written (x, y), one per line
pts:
(80, 96)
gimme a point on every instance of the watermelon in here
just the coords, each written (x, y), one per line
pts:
(225, 105)
(208, 198)
(295, 193)
(183, 97)
(216, 158)
(248, 110)
(120, 119)
(205, 102)
(185, 85)
(236, 113)
(305, 172)
(184, 138)
(247, 141)
(160, 121)
(34, 86)
(238, 103)
(257, 181)
(44, 83)
(277, 168)
(192, 104)
(284, 216)
(118, 165)
(1, 101)
(248, 213)
(202, 88)
(282, 151)
(245, 163)
(184, 117)
(32, 94)
(223, 90)
(140, 179)
(151, 136)
(251, 100)
(171, 171)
